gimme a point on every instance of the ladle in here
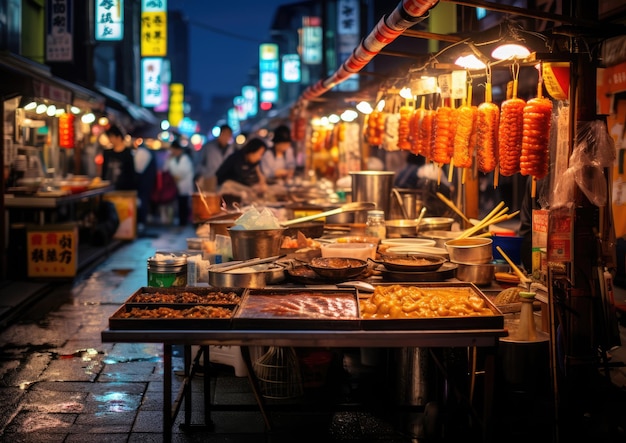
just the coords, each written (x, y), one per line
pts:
(396, 193)
(348, 207)
(420, 217)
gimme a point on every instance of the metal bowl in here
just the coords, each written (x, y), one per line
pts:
(439, 236)
(256, 276)
(255, 243)
(470, 250)
(314, 229)
(338, 267)
(436, 223)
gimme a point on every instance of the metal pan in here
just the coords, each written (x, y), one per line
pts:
(258, 276)
(411, 262)
(338, 267)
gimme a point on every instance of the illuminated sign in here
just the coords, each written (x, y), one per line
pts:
(233, 120)
(177, 97)
(251, 97)
(52, 250)
(268, 72)
(59, 47)
(109, 20)
(153, 28)
(151, 81)
(166, 79)
(291, 68)
(348, 37)
(311, 40)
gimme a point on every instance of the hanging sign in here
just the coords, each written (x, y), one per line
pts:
(268, 72)
(348, 37)
(59, 19)
(153, 28)
(109, 20)
(291, 68)
(151, 81)
(52, 250)
(445, 85)
(458, 88)
(66, 130)
(177, 103)
(556, 79)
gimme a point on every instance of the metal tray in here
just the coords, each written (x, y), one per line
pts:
(293, 308)
(205, 295)
(118, 322)
(495, 321)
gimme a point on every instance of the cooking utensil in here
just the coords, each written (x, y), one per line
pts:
(338, 267)
(513, 266)
(396, 194)
(401, 228)
(348, 207)
(454, 207)
(223, 267)
(435, 224)
(253, 243)
(420, 217)
(481, 274)
(470, 250)
(411, 262)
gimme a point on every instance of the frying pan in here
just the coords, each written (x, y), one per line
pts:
(411, 262)
(338, 267)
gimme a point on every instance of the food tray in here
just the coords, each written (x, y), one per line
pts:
(187, 295)
(118, 321)
(495, 321)
(301, 309)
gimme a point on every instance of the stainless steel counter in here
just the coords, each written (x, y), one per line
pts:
(51, 202)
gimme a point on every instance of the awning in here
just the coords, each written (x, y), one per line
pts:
(120, 103)
(21, 76)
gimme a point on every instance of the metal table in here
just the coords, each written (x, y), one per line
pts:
(485, 338)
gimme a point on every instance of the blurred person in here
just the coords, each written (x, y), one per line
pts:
(118, 163)
(146, 171)
(279, 162)
(243, 166)
(180, 165)
(212, 155)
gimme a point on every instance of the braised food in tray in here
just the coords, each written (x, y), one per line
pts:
(401, 302)
(307, 305)
(163, 312)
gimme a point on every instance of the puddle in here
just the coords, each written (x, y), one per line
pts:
(117, 402)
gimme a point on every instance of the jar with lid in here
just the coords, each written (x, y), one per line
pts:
(375, 224)
(166, 271)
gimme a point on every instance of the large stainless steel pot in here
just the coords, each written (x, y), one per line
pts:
(372, 186)
(256, 276)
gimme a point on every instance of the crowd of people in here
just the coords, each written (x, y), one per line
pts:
(219, 163)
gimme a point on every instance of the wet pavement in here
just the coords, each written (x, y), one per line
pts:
(60, 383)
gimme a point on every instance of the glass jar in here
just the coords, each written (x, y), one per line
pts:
(375, 224)
(166, 272)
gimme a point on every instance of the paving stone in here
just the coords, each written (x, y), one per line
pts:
(54, 401)
(38, 423)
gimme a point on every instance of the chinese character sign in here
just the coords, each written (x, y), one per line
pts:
(154, 34)
(59, 16)
(109, 20)
(151, 81)
(52, 252)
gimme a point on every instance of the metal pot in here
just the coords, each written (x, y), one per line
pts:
(401, 228)
(313, 229)
(252, 243)
(470, 250)
(479, 274)
(436, 223)
(257, 276)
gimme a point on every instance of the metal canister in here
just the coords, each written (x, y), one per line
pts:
(167, 271)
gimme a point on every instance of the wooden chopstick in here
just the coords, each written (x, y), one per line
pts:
(452, 206)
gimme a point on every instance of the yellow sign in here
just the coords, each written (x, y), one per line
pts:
(177, 98)
(154, 34)
(52, 250)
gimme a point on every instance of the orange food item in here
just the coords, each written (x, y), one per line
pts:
(426, 133)
(463, 149)
(443, 139)
(404, 128)
(510, 135)
(488, 122)
(537, 118)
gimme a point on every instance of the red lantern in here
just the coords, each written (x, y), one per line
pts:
(66, 130)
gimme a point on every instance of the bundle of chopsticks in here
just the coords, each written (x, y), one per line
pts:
(498, 214)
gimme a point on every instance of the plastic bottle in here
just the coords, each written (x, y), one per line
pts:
(375, 224)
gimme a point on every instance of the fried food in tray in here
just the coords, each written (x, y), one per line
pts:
(429, 306)
(163, 312)
(190, 295)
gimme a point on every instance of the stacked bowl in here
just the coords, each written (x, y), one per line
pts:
(473, 256)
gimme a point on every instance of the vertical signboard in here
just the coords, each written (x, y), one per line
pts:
(311, 40)
(177, 98)
(151, 81)
(268, 72)
(348, 37)
(291, 72)
(59, 46)
(153, 28)
(251, 97)
(109, 20)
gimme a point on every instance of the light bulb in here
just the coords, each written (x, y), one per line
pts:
(510, 51)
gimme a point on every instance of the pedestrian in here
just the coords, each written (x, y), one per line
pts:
(118, 164)
(243, 166)
(212, 155)
(146, 172)
(180, 165)
(279, 162)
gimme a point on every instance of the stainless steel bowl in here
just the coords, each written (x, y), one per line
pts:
(470, 250)
(253, 243)
(258, 276)
(401, 228)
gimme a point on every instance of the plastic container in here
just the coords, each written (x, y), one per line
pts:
(511, 245)
(362, 251)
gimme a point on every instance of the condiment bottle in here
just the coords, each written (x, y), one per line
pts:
(375, 224)
(526, 330)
